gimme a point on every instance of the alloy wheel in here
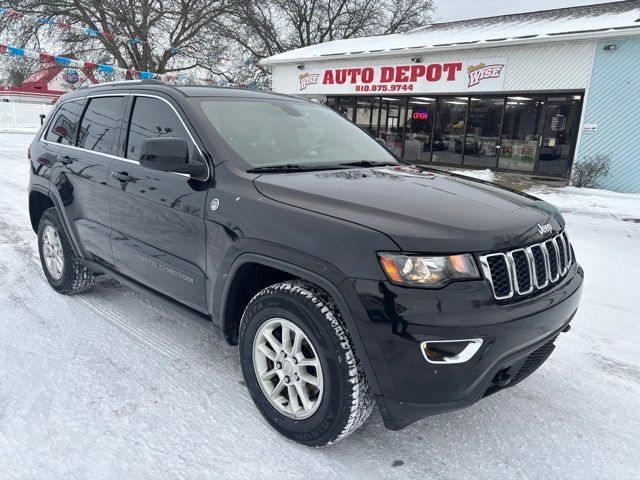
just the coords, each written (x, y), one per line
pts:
(52, 250)
(287, 368)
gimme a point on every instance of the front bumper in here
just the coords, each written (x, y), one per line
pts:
(517, 338)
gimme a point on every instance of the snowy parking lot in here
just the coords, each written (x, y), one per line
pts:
(107, 385)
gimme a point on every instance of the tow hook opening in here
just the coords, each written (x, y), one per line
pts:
(502, 378)
(450, 351)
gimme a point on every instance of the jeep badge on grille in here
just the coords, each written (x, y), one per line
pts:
(546, 228)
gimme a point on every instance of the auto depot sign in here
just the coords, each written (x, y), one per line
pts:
(440, 77)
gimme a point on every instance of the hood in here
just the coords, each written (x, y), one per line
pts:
(420, 210)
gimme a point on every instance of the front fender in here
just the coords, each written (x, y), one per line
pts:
(314, 270)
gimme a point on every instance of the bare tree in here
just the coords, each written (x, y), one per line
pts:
(269, 27)
(168, 35)
(221, 39)
(14, 72)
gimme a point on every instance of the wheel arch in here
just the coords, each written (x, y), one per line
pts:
(41, 199)
(232, 309)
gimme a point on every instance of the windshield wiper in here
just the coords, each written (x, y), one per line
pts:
(368, 163)
(292, 167)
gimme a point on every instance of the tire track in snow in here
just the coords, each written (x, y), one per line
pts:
(127, 325)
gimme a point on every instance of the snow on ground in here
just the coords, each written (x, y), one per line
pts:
(107, 385)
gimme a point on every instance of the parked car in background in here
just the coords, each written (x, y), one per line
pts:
(471, 144)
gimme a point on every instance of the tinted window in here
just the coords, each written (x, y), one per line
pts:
(64, 124)
(99, 128)
(152, 118)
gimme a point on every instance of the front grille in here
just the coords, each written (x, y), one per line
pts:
(521, 271)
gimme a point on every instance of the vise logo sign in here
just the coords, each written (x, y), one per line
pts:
(307, 79)
(480, 72)
(456, 76)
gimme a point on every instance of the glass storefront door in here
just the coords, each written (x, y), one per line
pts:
(559, 133)
(367, 113)
(392, 123)
(520, 137)
(448, 134)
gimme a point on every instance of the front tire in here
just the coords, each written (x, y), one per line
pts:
(65, 272)
(300, 366)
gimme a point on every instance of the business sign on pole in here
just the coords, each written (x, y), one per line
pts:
(476, 75)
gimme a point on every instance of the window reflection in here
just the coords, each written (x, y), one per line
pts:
(64, 125)
(483, 132)
(153, 118)
(100, 123)
(367, 115)
(519, 147)
(392, 123)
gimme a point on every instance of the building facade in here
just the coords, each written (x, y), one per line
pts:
(526, 93)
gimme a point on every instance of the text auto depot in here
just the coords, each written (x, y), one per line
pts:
(403, 74)
(397, 74)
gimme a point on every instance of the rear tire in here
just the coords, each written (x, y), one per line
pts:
(64, 270)
(340, 402)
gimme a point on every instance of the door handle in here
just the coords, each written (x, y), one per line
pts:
(121, 176)
(64, 159)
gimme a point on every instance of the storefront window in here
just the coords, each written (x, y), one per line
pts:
(342, 105)
(483, 132)
(519, 146)
(417, 142)
(519, 132)
(392, 123)
(367, 115)
(449, 130)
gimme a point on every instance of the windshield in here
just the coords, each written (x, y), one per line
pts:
(280, 132)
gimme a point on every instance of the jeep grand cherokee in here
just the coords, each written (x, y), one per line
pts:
(347, 278)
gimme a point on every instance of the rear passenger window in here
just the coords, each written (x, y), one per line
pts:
(65, 123)
(153, 118)
(99, 129)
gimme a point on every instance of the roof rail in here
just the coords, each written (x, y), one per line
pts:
(148, 81)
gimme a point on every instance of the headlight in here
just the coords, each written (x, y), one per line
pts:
(428, 271)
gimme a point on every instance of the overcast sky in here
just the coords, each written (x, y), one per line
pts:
(448, 10)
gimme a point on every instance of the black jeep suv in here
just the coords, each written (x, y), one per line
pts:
(343, 275)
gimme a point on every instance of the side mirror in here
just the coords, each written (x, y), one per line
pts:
(167, 154)
(381, 142)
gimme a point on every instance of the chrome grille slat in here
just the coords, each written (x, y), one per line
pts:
(515, 271)
(524, 272)
(552, 260)
(562, 250)
(541, 280)
(485, 264)
(566, 241)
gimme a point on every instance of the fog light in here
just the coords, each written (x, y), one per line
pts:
(450, 351)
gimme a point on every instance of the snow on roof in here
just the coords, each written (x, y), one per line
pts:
(548, 25)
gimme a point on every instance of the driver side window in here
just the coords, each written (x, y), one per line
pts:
(153, 118)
